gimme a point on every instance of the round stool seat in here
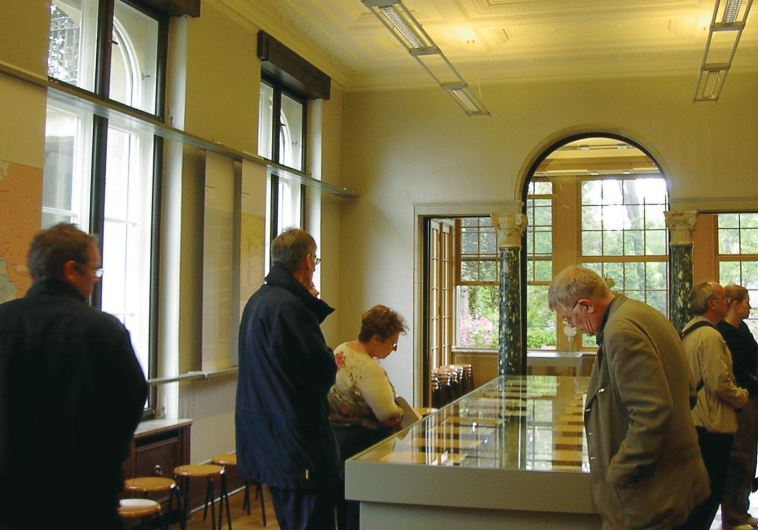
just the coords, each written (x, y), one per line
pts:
(198, 470)
(134, 508)
(149, 484)
(225, 459)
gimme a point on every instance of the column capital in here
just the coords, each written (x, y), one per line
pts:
(510, 227)
(681, 223)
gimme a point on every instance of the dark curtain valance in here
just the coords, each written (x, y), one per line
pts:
(287, 67)
(174, 8)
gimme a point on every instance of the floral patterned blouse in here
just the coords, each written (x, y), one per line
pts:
(362, 394)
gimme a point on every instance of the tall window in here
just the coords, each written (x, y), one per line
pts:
(624, 235)
(737, 256)
(476, 283)
(540, 321)
(440, 281)
(281, 138)
(99, 173)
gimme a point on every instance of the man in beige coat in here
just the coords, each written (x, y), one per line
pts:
(644, 458)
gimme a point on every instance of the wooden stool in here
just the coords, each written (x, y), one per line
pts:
(230, 459)
(144, 509)
(150, 486)
(209, 472)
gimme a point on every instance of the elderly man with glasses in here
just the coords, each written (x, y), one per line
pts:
(286, 369)
(645, 463)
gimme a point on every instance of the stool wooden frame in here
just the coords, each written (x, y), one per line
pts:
(230, 459)
(150, 486)
(144, 509)
(209, 472)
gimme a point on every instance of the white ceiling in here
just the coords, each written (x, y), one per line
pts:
(500, 40)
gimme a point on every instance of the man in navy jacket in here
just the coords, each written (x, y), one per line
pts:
(71, 393)
(284, 438)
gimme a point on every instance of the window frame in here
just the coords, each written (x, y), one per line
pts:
(740, 258)
(276, 223)
(98, 151)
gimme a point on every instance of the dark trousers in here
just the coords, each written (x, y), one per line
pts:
(715, 449)
(304, 509)
(352, 440)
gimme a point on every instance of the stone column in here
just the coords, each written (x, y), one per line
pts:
(680, 225)
(511, 353)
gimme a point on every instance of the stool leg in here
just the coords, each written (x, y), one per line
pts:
(211, 495)
(225, 500)
(205, 502)
(185, 504)
(246, 498)
(179, 505)
(259, 492)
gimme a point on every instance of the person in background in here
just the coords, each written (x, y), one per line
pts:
(645, 466)
(71, 393)
(362, 407)
(284, 438)
(742, 459)
(718, 395)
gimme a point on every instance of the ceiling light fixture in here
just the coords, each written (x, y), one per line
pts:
(727, 23)
(406, 29)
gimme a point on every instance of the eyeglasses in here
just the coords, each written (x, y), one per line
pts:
(567, 320)
(316, 259)
(96, 272)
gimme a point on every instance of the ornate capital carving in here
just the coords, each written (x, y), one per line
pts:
(510, 227)
(681, 224)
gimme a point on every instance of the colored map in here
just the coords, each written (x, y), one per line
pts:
(20, 215)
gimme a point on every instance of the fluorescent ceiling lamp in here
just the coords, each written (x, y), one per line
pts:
(727, 23)
(417, 42)
(404, 26)
(467, 99)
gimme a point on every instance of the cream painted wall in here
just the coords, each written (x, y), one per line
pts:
(23, 46)
(23, 34)
(22, 115)
(415, 146)
(223, 75)
(331, 207)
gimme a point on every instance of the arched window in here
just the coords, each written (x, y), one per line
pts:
(598, 201)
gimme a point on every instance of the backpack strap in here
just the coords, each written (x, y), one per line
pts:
(693, 327)
(696, 325)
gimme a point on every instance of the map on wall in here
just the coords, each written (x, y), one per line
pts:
(20, 211)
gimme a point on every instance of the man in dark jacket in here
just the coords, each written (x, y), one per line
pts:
(71, 393)
(285, 372)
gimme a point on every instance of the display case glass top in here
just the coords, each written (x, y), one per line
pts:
(516, 423)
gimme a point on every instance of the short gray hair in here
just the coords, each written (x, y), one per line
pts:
(701, 293)
(574, 283)
(290, 247)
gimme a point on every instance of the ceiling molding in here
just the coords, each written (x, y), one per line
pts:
(496, 41)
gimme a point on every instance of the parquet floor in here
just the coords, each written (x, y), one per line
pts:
(240, 520)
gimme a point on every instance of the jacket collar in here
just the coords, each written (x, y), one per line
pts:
(281, 277)
(53, 287)
(618, 299)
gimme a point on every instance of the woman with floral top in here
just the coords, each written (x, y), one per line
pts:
(362, 407)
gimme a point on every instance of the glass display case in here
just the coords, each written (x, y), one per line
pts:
(510, 452)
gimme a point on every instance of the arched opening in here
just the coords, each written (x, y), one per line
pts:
(597, 200)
